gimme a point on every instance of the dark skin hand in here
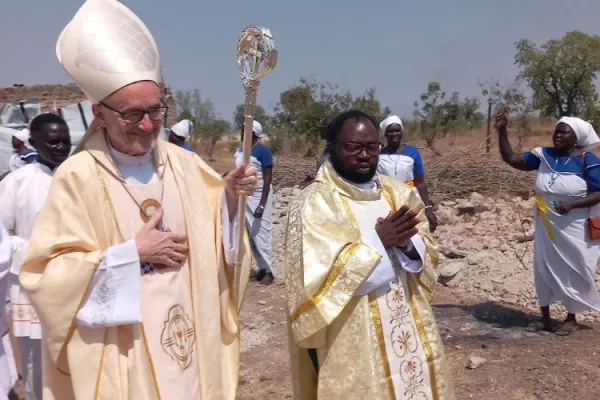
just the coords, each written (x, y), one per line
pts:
(397, 228)
(515, 160)
(564, 141)
(590, 200)
(422, 189)
(267, 179)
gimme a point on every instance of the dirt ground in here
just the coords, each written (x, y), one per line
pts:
(519, 365)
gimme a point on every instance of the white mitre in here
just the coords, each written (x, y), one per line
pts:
(106, 47)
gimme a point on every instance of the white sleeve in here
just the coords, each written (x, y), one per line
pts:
(5, 257)
(113, 298)
(230, 232)
(383, 273)
(406, 263)
(19, 248)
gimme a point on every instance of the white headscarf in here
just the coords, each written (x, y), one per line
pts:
(22, 135)
(183, 128)
(257, 129)
(392, 119)
(584, 132)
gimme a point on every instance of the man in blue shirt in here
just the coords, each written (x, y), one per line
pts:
(180, 132)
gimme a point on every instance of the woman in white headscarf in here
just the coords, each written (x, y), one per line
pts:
(23, 152)
(259, 206)
(404, 163)
(567, 192)
(180, 132)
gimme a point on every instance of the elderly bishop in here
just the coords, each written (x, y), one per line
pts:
(130, 264)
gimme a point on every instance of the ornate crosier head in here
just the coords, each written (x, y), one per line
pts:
(256, 54)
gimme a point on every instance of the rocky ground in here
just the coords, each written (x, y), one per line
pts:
(487, 251)
(484, 301)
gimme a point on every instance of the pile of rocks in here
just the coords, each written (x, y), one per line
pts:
(281, 201)
(486, 247)
(487, 250)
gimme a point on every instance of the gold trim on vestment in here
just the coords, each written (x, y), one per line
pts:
(338, 266)
(108, 200)
(424, 341)
(101, 366)
(376, 316)
(417, 318)
(114, 214)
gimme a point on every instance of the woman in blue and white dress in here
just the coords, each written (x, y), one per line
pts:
(403, 162)
(259, 206)
(567, 192)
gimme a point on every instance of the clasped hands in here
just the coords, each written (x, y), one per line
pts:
(397, 228)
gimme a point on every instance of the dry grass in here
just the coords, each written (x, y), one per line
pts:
(458, 166)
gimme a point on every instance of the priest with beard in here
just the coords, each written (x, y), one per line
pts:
(360, 270)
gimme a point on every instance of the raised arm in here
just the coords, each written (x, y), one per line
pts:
(514, 159)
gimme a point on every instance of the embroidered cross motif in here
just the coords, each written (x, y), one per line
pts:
(178, 336)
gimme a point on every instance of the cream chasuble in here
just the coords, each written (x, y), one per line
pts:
(381, 345)
(187, 345)
(166, 298)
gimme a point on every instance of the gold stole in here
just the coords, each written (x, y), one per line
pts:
(322, 243)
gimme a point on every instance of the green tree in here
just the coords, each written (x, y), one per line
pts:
(561, 72)
(211, 132)
(191, 105)
(208, 127)
(510, 97)
(260, 115)
(369, 104)
(302, 108)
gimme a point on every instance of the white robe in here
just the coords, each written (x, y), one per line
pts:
(390, 287)
(8, 376)
(564, 258)
(22, 195)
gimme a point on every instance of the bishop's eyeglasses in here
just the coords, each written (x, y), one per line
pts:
(135, 116)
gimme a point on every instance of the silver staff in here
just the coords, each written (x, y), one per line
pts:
(257, 56)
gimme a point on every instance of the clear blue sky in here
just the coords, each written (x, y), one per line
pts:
(396, 46)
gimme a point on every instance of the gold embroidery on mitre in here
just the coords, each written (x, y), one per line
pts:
(178, 336)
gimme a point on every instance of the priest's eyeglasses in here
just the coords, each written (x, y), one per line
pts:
(354, 149)
(135, 116)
